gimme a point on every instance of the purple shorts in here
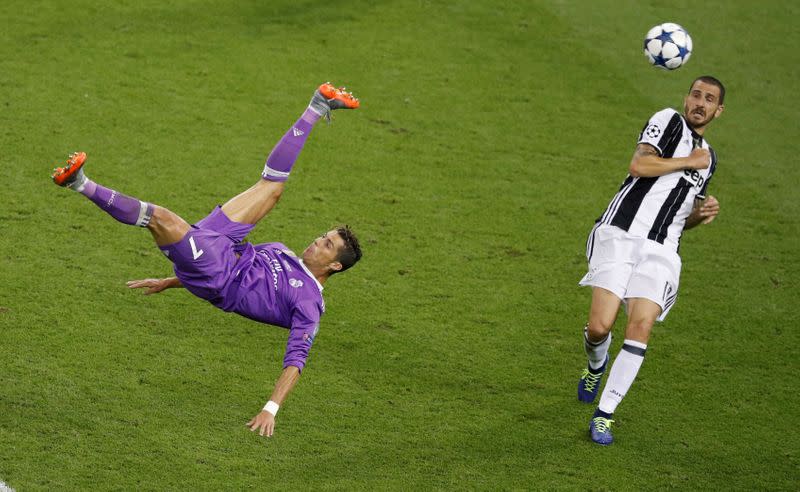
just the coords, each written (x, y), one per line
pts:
(205, 258)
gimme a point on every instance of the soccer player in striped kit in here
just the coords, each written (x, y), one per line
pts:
(264, 282)
(633, 247)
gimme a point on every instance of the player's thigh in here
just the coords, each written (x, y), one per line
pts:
(250, 206)
(656, 277)
(611, 260)
(218, 221)
(642, 314)
(603, 312)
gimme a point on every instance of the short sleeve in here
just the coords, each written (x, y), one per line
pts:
(305, 325)
(663, 131)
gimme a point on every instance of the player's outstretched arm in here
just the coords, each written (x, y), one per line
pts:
(646, 163)
(154, 285)
(265, 420)
(704, 212)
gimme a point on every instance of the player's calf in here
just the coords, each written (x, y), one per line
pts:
(123, 208)
(283, 156)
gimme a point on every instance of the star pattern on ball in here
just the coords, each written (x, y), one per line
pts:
(665, 37)
(667, 46)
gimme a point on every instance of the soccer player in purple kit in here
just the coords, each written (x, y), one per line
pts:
(263, 282)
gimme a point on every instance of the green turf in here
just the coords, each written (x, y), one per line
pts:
(491, 136)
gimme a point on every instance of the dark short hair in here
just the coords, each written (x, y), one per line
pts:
(708, 79)
(350, 253)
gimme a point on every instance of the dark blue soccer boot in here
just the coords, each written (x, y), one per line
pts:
(589, 384)
(600, 428)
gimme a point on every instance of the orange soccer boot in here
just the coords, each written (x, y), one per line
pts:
(71, 174)
(328, 98)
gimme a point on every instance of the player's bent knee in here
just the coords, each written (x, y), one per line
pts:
(273, 188)
(166, 226)
(162, 218)
(598, 329)
(278, 192)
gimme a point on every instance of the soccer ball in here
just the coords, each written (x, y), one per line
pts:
(668, 46)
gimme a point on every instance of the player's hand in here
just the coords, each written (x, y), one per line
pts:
(699, 159)
(151, 285)
(264, 421)
(709, 209)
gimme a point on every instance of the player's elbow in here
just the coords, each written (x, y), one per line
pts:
(635, 169)
(645, 165)
(295, 361)
(294, 367)
(641, 166)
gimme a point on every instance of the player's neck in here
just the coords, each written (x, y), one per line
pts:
(321, 278)
(319, 273)
(700, 130)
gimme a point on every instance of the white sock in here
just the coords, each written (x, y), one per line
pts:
(596, 352)
(622, 374)
(79, 182)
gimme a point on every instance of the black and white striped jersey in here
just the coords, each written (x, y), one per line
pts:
(657, 207)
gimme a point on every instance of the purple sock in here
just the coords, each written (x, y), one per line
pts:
(281, 159)
(123, 208)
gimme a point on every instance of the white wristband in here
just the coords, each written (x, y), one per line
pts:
(272, 407)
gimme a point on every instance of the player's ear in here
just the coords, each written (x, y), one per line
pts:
(335, 266)
(719, 110)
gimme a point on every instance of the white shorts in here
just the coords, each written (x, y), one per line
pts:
(631, 266)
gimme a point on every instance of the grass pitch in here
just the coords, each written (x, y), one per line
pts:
(491, 136)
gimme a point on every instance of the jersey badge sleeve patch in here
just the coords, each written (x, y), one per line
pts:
(652, 131)
(309, 337)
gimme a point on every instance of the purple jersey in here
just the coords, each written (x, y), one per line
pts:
(273, 286)
(263, 282)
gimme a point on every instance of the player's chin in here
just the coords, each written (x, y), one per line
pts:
(704, 120)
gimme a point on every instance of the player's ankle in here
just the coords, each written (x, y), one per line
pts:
(600, 413)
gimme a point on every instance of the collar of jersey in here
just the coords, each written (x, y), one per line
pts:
(319, 285)
(694, 133)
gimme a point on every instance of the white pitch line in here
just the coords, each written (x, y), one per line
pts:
(4, 487)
